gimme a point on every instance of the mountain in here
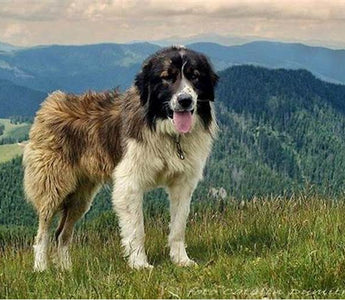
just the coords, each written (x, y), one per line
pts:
(103, 66)
(17, 100)
(5, 47)
(209, 37)
(327, 64)
(281, 132)
(75, 68)
(231, 40)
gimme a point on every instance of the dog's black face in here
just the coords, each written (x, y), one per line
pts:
(175, 83)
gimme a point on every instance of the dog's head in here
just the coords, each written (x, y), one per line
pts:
(177, 83)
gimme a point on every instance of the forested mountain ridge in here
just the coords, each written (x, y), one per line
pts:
(17, 100)
(281, 131)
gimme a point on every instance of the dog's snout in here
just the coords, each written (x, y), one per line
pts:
(185, 100)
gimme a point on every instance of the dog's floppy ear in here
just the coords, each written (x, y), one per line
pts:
(142, 82)
(214, 80)
(210, 79)
(214, 77)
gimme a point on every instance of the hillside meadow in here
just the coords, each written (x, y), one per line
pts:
(15, 131)
(9, 136)
(9, 151)
(268, 247)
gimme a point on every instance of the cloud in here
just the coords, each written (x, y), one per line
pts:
(89, 21)
(115, 9)
(17, 31)
(32, 10)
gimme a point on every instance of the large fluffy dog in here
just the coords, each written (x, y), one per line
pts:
(158, 133)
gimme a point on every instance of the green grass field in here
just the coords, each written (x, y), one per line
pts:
(9, 151)
(269, 248)
(16, 131)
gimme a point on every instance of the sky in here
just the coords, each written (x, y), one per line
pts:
(31, 22)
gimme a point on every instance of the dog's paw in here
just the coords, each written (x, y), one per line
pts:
(41, 263)
(62, 259)
(186, 263)
(141, 266)
(138, 260)
(64, 264)
(40, 267)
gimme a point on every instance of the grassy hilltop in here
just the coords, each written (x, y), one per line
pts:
(264, 248)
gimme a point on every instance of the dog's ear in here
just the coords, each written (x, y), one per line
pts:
(210, 79)
(214, 77)
(214, 80)
(142, 82)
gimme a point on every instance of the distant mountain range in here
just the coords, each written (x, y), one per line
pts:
(75, 68)
(227, 40)
(327, 64)
(5, 47)
(233, 40)
(104, 66)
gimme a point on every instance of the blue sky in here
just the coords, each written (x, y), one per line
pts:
(32, 22)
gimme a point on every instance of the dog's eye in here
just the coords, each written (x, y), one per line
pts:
(194, 75)
(165, 75)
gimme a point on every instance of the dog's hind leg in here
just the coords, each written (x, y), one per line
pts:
(47, 183)
(61, 223)
(75, 206)
(42, 240)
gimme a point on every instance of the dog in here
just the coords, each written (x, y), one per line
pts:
(158, 133)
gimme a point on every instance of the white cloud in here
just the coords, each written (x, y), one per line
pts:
(86, 21)
(18, 32)
(80, 9)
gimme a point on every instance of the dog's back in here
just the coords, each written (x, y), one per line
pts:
(74, 146)
(78, 133)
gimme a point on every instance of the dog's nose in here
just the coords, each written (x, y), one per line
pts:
(184, 100)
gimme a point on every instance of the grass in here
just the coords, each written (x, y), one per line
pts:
(9, 151)
(15, 131)
(265, 248)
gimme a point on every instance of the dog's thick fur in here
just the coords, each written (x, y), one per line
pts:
(77, 143)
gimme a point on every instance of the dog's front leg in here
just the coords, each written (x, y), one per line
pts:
(127, 200)
(180, 194)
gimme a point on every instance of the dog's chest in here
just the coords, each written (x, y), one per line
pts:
(156, 161)
(174, 160)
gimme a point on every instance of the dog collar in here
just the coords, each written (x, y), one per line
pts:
(180, 152)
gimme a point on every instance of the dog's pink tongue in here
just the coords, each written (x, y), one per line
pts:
(182, 121)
